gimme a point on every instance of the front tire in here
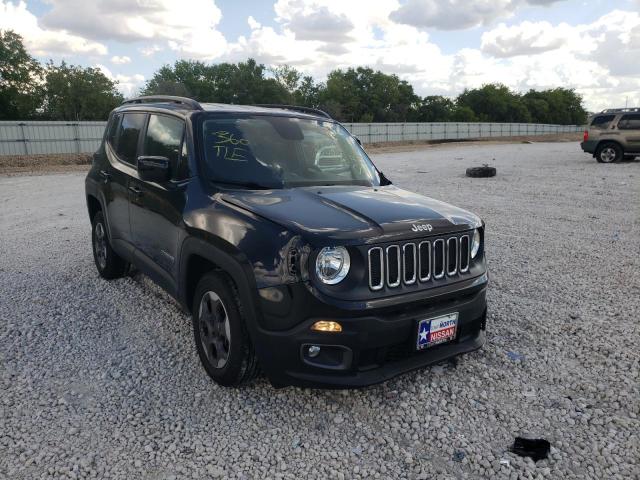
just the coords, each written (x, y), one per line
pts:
(220, 332)
(108, 263)
(609, 153)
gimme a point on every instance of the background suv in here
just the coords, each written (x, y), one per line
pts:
(613, 134)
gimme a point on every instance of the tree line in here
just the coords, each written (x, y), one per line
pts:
(29, 90)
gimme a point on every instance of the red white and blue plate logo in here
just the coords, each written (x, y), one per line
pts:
(434, 331)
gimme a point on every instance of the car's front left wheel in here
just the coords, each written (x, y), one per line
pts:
(220, 332)
(108, 263)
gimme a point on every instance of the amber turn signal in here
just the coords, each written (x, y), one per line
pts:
(326, 326)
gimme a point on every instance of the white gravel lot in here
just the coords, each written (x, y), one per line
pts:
(101, 379)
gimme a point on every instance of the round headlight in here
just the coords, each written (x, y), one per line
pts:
(332, 264)
(475, 245)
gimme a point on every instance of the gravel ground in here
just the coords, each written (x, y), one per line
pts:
(101, 379)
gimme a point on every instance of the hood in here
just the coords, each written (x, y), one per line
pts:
(353, 214)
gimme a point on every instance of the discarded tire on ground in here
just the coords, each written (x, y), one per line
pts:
(481, 172)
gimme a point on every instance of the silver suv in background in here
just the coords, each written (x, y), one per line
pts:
(613, 134)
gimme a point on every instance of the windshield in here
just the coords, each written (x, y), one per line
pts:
(262, 151)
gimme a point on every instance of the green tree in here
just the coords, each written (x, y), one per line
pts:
(363, 93)
(435, 108)
(288, 77)
(76, 93)
(563, 106)
(495, 103)
(239, 83)
(185, 78)
(20, 89)
(462, 113)
(308, 92)
(538, 107)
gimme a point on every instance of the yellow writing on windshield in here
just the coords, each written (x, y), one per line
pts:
(228, 153)
(227, 137)
(227, 146)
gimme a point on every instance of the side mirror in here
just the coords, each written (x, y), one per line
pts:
(153, 169)
(383, 179)
(358, 140)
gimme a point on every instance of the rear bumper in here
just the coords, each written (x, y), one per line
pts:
(589, 146)
(374, 345)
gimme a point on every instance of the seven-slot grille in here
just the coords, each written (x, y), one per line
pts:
(421, 261)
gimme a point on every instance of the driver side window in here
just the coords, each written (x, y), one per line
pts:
(164, 138)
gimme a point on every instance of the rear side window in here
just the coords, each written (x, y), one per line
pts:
(164, 139)
(602, 121)
(128, 135)
(630, 122)
(112, 130)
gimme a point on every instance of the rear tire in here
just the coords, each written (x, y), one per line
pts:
(609, 152)
(220, 332)
(108, 263)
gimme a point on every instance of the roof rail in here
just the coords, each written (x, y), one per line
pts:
(625, 109)
(187, 102)
(296, 108)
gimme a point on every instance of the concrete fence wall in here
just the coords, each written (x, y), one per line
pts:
(33, 138)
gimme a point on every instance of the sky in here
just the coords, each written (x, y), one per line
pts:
(440, 46)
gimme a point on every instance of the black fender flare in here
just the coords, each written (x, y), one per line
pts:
(233, 263)
(92, 190)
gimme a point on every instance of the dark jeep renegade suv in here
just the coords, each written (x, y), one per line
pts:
(292, 252)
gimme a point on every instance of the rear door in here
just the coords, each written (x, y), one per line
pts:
(121, 151)
(629, 126)
(156, 208)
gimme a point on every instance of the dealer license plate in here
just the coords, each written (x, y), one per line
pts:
(434, 331)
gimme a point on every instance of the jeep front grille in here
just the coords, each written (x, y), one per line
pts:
(419, 262)
(376, 268)
(393, 265)
(464, 254)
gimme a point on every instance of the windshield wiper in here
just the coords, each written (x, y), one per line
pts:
(249, 185)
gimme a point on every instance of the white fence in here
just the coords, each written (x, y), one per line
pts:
(32, 138)
(401, 132)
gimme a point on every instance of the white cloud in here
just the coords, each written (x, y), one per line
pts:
(42, 41)
(317, 36)
(120, 60)
(616, 37)
(128, 85)
(150, 50)
(596, 59)
(319, 24)
(320, 35)
(458, 14)
(527, 38)
(187, 27)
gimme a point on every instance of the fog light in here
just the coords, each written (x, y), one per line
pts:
(313, 351)
(326, 326)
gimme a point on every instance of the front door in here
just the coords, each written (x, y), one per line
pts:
(156, 208)
(629, 125)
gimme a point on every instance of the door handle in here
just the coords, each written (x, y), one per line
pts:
(135, 189)
(105, 175)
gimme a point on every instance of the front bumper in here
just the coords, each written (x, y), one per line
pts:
(374, 345)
